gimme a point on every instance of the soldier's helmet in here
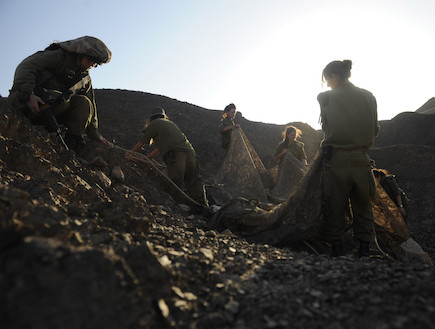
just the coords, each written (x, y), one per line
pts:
(89, 46)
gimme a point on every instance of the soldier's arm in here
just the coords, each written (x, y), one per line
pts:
(92, 129)
(375, 109)
(149, 134)
(226, 126)
(304, 156)
(29, 69)
(323, 99)
(400, 205)
(399, 200)
(280, 151)
(224, 129)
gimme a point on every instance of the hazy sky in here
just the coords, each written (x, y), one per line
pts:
(265, 56)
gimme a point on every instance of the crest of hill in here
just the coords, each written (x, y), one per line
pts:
(409, 128)
(428, 107)
(123, 114)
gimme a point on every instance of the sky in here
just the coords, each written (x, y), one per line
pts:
(265, 56)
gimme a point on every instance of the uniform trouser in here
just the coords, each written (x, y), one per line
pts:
(76, 114)
(182, 167)
(347, 174)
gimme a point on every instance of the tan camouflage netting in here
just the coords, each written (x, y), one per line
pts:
(239, 174)
(247, 213)
(290, 173)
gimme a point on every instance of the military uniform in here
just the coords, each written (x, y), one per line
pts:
(349, 120)
(296, 148)
(226, 135)
(391, 187)
(54, 71)
(178, 154)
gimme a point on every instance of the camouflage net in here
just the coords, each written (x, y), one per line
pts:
(297, 219)
(290, 173)
(240, 174)
(243, 175)
(390, 228)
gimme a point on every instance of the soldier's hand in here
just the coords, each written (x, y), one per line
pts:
(237, 126)
(34, 102)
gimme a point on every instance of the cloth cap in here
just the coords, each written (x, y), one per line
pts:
(158, 111)
(88, 46)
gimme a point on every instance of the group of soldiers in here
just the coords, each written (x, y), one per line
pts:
(57, 79)
(54, 85)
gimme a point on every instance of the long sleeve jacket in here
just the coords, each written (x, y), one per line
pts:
(53, 70)
(349, 117)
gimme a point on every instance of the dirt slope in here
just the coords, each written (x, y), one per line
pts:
(79, 249)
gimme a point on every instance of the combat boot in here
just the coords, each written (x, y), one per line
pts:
(337, 248)
(364, 249)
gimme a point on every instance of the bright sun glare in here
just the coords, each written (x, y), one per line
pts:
(280, 77)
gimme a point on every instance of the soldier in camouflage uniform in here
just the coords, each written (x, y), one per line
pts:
(350, 123)
(176, 151)
(396, 194)
(290, 144)
(227, 125)
(60, 74)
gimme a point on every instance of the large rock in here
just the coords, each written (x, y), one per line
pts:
(411, 251)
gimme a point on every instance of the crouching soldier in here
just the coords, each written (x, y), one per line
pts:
(57, 79)
(177, 153)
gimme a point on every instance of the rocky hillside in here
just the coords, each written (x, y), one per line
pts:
(83, 247)
(428, 107)
(407, 128)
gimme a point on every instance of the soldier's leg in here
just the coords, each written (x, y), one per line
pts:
(361, 196)
(335, 185)
(193, 179)
(79, 115)
(176, 166)
(60, 110)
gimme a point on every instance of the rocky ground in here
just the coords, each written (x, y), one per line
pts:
(82, 247)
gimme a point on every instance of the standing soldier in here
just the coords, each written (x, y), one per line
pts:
(350, 122)
(227, 125)
(59, 77)
(292, 145)
(176, 151)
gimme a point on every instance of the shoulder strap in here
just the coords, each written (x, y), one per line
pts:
(75, 88)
